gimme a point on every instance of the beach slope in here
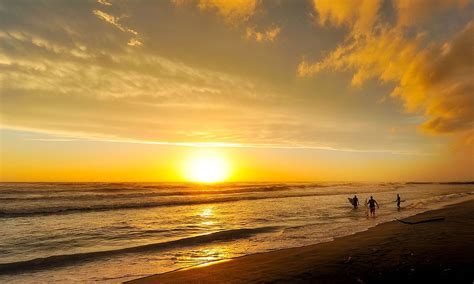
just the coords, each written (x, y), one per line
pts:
(441, 252)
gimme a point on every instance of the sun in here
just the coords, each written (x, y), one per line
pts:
(206, 167)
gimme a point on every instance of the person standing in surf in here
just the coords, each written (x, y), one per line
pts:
(372, 202)
(398, 201)
(355, 201)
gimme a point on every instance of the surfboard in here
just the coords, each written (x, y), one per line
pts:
(351, 201)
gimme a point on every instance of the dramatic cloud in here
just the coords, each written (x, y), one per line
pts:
(360, 15)
(449, 80)
(432, 78)
(269, 34)
(193, 80)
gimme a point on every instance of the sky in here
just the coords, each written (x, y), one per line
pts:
(115, 90)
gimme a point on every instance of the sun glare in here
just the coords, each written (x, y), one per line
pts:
(207, 168)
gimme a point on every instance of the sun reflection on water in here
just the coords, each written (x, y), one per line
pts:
(208, 216)
(205, 256)
(206, 212)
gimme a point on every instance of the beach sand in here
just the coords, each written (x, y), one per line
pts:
(433, 252)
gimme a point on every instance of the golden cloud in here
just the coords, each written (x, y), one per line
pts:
(269, 34)
(448, 77)
(360, 15)
(434, 79)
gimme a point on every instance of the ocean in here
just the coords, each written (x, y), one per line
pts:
(113, 232)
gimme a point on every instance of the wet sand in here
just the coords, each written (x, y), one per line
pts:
(433, 252)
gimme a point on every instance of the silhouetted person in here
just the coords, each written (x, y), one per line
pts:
(355, 201)
(372, 204)
(398, 201)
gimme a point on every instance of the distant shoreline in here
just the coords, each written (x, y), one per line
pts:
(390, 252)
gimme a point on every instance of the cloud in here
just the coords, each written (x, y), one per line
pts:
(359, 15)
(269, 34)
(411, 12)
(448, 71)
(91, 87)
(232, 12)
(134, 42)
(115, 22)
(79, 76)
(432, 78)
(386, 55)
(233, 145)
(104, 2)
(115, 75)
(235, 13)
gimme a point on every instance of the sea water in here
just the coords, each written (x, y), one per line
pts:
(113, 232)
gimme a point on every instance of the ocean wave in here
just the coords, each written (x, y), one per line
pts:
(44, 211)
(194, 192)
(165, 190)
(174, 188)
(421, 203)
(56, 188)
(67, 259)
(208, 198)
(12, 213)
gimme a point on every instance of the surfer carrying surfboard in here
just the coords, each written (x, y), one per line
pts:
(355, 201)
(372, 202)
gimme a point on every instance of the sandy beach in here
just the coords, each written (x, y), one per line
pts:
(439, 251)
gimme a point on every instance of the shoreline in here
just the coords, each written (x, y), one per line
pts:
(439, 251)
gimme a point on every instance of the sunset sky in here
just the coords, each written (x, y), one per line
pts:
(114, 90)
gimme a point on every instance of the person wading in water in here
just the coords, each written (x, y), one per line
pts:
(372, 202)
(398, 201)
(355, 201)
